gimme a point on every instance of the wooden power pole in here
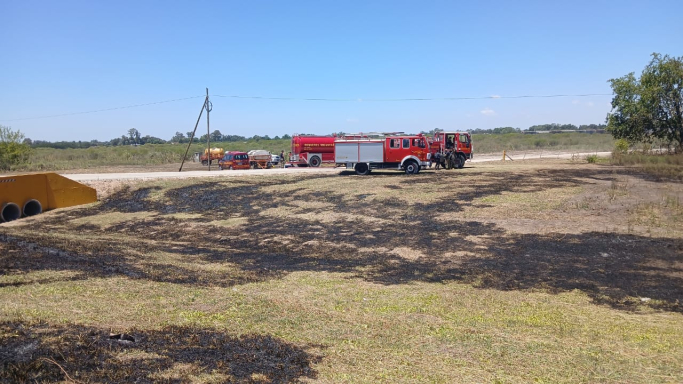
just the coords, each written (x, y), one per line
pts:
(208, 106)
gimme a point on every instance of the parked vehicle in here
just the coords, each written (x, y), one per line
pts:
(363, 154)
(234, 160)
(260, 159)
(455, 148)
(274, 159)
(216, 154)
(312, 151)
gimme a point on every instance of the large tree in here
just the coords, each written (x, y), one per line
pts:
(134, 135)
(649, 107)
(216, 136)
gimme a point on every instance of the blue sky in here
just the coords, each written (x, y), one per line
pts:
(76, 56)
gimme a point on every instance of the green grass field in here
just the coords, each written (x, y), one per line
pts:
(578, 142)
(149, 154)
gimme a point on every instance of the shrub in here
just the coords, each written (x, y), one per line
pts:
(592, 159)
(621, 146)
(13, 151)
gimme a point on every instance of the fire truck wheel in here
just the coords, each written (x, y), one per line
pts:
(220, 167)
(204, 162)
(411, 167)
(461, 161)
(314, 161)
(362, 169)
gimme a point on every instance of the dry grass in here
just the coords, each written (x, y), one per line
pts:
(662, 166)
(510, 272)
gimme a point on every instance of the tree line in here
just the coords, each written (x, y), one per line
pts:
(134, 137)
(541, 128)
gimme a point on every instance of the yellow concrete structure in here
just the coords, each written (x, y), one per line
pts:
(49, 189)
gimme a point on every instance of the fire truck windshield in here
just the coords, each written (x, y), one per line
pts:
(418, 143)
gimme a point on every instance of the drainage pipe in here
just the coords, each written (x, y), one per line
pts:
(32, 207)
(9, 212)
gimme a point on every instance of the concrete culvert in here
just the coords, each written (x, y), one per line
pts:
(9, 212)
(33, 207)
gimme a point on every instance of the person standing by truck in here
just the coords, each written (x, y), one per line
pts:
(282, 159)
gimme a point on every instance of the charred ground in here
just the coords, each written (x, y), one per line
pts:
(601, 232)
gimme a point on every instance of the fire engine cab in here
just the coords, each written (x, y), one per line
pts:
(454, 148)
(363, 153)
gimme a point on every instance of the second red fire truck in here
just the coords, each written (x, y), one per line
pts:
(312, 151)
(453, 148)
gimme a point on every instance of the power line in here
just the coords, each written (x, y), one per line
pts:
(106, 109)
(413, 99)
(317, 99)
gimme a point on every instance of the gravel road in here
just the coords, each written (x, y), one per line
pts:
(279, 171)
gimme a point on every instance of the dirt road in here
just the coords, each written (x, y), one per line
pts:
(279, 171)
(191, 174)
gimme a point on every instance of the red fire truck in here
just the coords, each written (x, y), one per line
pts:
(308, 150)
(363, 154)
(454, 148)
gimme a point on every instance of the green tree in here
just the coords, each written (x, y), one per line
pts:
(12, 149)
(216, 136)
(649, 107)
(178, 138)
(134, 135)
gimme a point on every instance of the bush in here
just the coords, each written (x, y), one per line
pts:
(621, 146)
(592, 159)
(13, 151)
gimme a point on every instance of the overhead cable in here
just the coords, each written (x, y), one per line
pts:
(316, 99)
(106, 109)
(412, 99)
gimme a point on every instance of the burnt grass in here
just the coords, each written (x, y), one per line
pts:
(41, 352)
(614, 269)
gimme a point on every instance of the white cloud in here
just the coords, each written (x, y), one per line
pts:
(488, 111)
(495, 96)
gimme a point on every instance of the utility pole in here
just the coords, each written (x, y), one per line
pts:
(208, 108)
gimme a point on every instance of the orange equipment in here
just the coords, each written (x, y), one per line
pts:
(216, 154)
(30, 195)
